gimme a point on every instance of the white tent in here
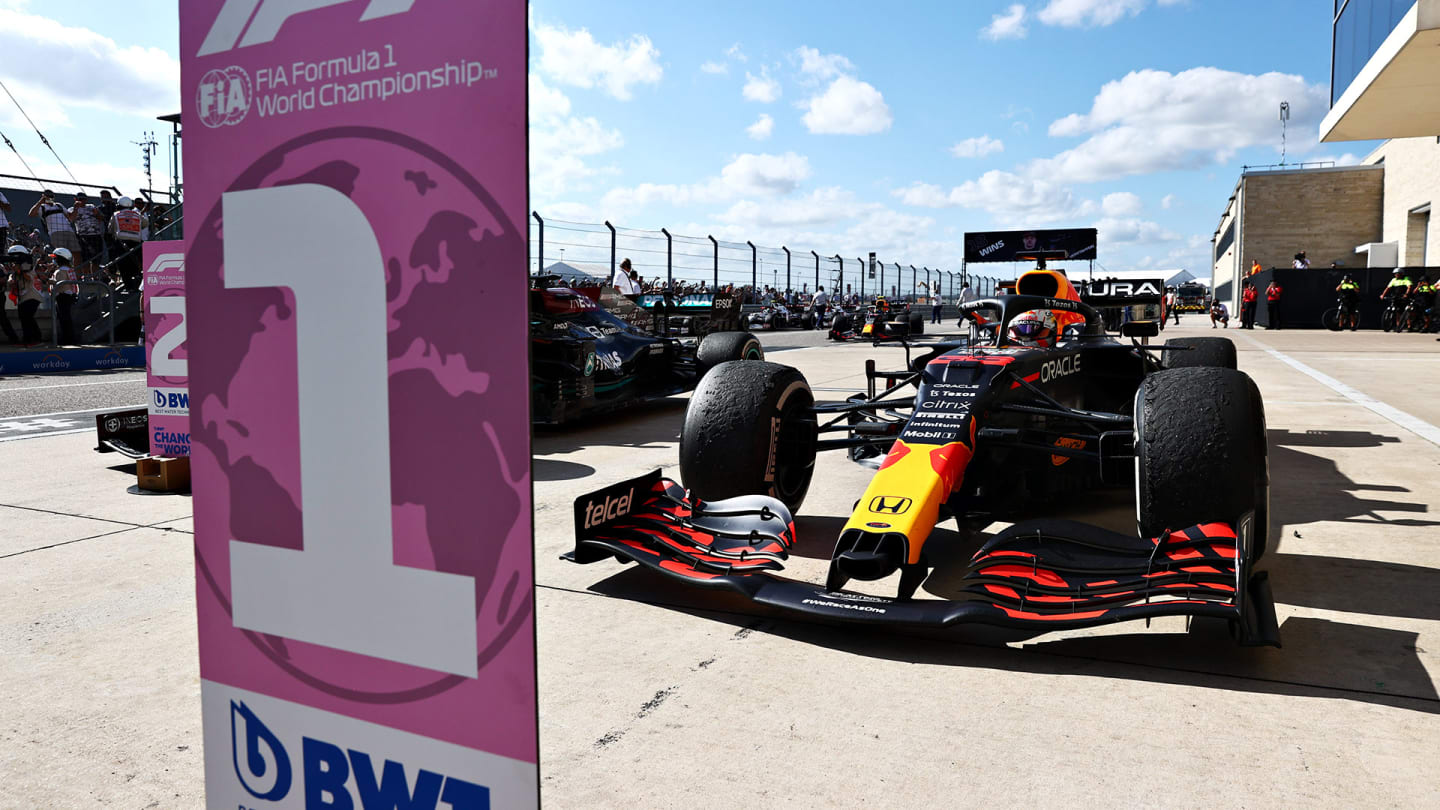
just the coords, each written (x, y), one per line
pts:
(572, 271)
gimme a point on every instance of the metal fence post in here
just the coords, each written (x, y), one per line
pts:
(840, 285)
(754, 270)
(669, 261)
(540, 251)
(899, 279)
(715, 285)
(787, 271)
(612, 251)
(862, 276)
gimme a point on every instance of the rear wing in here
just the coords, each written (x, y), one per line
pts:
(1115, 293)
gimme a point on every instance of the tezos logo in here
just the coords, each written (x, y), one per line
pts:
(265, 773)
(224, 96)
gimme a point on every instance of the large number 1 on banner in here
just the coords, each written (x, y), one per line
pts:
(343, 589)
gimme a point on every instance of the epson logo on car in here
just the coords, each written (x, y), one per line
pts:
(1063, 367)
(609, 509)
(262, 764)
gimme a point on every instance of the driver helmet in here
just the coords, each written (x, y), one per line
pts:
(1034, 328)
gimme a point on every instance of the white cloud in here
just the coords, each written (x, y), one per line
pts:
(847, 107)
(715, 68)
(74, 66)
(574, 58)
(1167, 201)
(737, 53)
(819, 67)
(1010, 25)
(1088, 13)
(1152, 120)
(760, 88)
(1126, 230)
(762, 175)
(762, 128)
(560, 143)
(546, 103)
(977, 147)
(823, 206)
(1009, 198)
(1121, 204)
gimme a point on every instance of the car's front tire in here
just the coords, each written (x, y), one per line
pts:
(749, 430)
(1200, 451)
(721, 347)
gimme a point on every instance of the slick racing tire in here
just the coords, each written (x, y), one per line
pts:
(1200, 451)
(749, 430)
(720, 347)
(841, 323)
(916, 323)
(1202, 352)
(807, 321)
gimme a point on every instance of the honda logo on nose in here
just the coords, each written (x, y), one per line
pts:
(894, 506)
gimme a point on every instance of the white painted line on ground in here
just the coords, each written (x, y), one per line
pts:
(140, 381)
(86, 412)
(1410, 422)
(46, 435)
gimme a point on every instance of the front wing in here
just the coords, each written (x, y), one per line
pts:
(1036, 576)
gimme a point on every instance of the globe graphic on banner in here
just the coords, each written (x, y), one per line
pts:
(443, 239)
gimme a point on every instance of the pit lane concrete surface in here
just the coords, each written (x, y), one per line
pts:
(652, 695)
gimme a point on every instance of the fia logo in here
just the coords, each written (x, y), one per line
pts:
(265, 773)
(223, 97)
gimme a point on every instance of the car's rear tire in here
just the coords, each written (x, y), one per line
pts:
(749, 430)
(841, 323)
(915, 322)
(721, 347)
(1200, 451)
(1202, 352)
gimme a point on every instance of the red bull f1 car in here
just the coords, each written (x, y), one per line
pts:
(878, 322)
(977, 431)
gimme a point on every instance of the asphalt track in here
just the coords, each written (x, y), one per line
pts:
(652, 695)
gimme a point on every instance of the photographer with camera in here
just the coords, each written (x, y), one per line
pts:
(59, 222)
(23, 288)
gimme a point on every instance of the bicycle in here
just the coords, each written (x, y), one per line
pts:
(1344, 314)
(1390, 318)
(1415, 318)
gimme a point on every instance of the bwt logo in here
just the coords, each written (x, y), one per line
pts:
(238, 17)
(223, 98)
(263, 767)
(172, 401)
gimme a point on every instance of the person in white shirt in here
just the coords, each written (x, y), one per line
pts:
(819, 303)
(625, 280)
(59, 221)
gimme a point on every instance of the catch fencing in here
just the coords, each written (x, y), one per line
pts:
(666, 259)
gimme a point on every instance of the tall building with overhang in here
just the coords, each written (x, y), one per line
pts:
(1384, 84)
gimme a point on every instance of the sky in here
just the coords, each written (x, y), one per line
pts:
(840, 126)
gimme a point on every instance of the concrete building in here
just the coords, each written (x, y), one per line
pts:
(1275, 213)
(1412, 183)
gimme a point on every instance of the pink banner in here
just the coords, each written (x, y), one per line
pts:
(356, 191)
(167, 375)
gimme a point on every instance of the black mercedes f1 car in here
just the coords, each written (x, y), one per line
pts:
(976, 430)
(586, 359)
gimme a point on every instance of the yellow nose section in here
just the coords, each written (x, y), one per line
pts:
(906, 493)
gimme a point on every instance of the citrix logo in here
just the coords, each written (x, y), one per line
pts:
(238, 17)
(268, 770)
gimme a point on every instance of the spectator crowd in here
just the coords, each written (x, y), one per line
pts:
(87, 241)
